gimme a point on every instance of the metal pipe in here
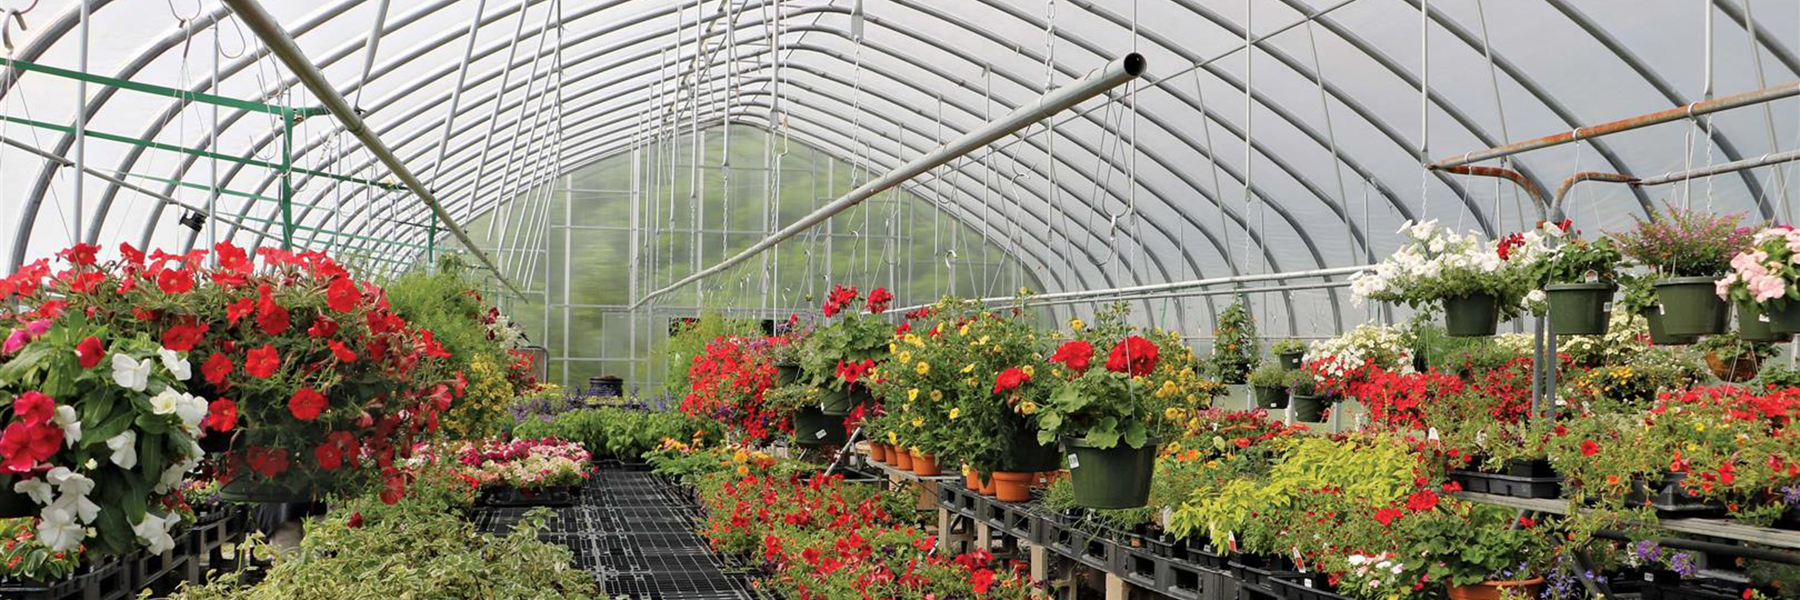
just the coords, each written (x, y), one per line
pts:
(281, 45)
(1556, 211)
(1748, 163)
(1113, 74)
(1166, 287)
(1538, 197)
(1692, 109)
(1033, 303)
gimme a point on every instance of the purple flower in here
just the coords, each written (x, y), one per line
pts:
(1646, 551)
(1682, 563)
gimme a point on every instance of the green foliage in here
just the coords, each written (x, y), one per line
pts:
(24, 558)
(1573, 261)
(1269, 375)
(1234, 348)
(691, 338)
(1685, 243)
(1287, 346)
(852, 338)
(627, 434)
(447, 303)
(1375, 471)
(1472, 543)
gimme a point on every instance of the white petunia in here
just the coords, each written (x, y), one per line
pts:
(131, 374)
(38, 489)
(166, 401)
(192, 410)
(124, 449)
(176, 365)
(154, 532)
(59, 531)
(70, 424)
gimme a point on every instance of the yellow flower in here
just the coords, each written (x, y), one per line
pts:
(912, 394)
(905, 356)
(962, 331)
(922, 368)
(982, 341)
(1027, 407)
(892, 348)
(968, 367)
(893, 439)
(955, 412)
(1024, 291)
(1699, 427)
(740, 456)
(1172, 413)
(1076, 324)
(743, 470)
(937, 396)
(970, 381)
(1030, 371)
(918, 422)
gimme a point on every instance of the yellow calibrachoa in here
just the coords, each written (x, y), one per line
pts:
(962, 331)
(905, 356)
(912, 394)
(918, 422)
(1030, 370)
(923, 368)
(1027, 407)
(913, 338)
(937, 395)
(966, 368)
(955, 412)
(893, 439)
(1076, 324)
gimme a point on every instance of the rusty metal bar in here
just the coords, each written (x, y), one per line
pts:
(1748, 163)
(1556, 211)
(1539, 199)
(1690, 110)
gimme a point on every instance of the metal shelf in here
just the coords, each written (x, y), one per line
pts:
(1720, 528)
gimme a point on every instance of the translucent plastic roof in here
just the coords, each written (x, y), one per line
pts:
(1145, 185)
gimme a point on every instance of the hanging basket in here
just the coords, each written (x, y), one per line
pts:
(1116, 477)
(1580, 308)
(1025, 454)
(1659, 336)
(1691, 306)
(1310, 409)
(248, 490)
(841, 402)
(1754, 325)
(1271, 397)
(1474, 315)
(1784, 317)
(1291, 360)
(815, 428)
(787, 374)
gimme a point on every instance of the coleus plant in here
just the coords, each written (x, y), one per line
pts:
(326, 384)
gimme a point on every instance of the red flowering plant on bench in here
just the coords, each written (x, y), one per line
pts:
(314, 385)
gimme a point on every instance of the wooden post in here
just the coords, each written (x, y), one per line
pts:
(1040, 568)
(1116, 588)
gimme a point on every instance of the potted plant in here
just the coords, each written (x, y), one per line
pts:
(1762, 285)
(1333, 368)
(1270, 383)
(997, 380)
(1732, 359)
(1689, 249)
(1310, 399)
(1234, 351)
(811, 425)
(1102, 414)
(1580, 278)
(1476, 282)
(1639, 297)
(839, 356)
(784, 351)
(1289, 351)
(1481, 552)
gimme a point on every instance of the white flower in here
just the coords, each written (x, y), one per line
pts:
(176, 365)
(70, 482)
(1357, 559)
(59, 531)
(1396, 569)
(70, 423)
(124, 449)
(192, 410)
(154, 532)
(79, 506)
(166, 401)
(38, 489)
(131, 374)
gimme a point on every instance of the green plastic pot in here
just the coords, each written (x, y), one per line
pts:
(1580, 308)
(1310, 409)
(1754, 325)
(1691, 306)
(1025, 455)
(1291, 360)
(1116, 477)
(1474, 315)
(787, 374)
(812, 427)
(1271, 397)
(840, 402)
(1784, 318)
(1661, 337)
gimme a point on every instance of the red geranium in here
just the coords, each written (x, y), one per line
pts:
(879, 299)
(1134, 356)
(1387, 516)
(1075, 355)
(1010, 379)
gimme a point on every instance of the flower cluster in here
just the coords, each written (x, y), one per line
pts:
(1767, 271)
(1435, 263)
(1685, 243)
(727, 384)
(524, 464)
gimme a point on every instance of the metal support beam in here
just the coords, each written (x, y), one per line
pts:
(282, 46)
(1748, 163)
(1692, 109)
(1137, 291)
(1112, 75)
(1539, 199)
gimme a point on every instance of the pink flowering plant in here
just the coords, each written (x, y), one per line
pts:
(1765, 273)
(524, 464)
(1685, 243)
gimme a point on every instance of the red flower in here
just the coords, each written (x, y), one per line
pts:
(267, 462)
(34, 408)
(262, 362)
(221, 415)
(343, 354)
(1526, 521)
(89, 352)
(341, 295)
(24, 445)
(981, 580)
(175, 281)
(322, 328)
(879, 299)
(1422, 500)
(355, 520)
(182, 337)
(1075, 355)
(216, 368)
(1589, 448)
(1010, 379)
(902, 329)
(79, 254)
(393, 489)
(131, 255)
(236, 311)
(306, 404)
(329, 456)
(1387, 516)
(272, 317)
(1134, 355)
(232, 258)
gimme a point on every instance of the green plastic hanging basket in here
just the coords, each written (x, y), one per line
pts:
(1271, 397)
(1754, 325)
(1784, 318)
(1025, 455)
(1116, 477)
(1310, 409)
(1291, 360)
(1580, 308)
(787, 374)
(813, 427)
(1474, 315)
(1658, 335)
(1690, 306)
(840, 403)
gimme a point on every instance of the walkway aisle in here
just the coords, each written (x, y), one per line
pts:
(635, 533)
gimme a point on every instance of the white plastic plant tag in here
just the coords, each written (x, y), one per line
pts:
(1308, 582)
(1432, 434)
(1074, 462)
(1591, 276)
(1165, 517)
(819, 434)
(1606, 306)
(1762, 318)
(1660, 310)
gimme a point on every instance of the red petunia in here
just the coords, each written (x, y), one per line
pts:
(175, 281)
(267, 462)
(272, 317)
(216, 368)
(329, 456)
(89, 352)
(342, 352)
(1422, 500)
(341, 295)
(182, 337)
(306, 404)
(1134, 355)
(1010, 379)
(262, 362)
(1589, 448)
(1387, 516)
(356, 520)
(79, 254)
(1075, 355)
(236, 311)
(322, 328)
(221, 415)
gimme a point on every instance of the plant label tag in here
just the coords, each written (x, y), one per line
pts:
(1606, 306)
(1763, 318)
(820, 434)
(1074, 462)
(1660, 311)
(1432, 434)
(1591, 276)
(1166, 513)
(1648, 576)
(1308, 582)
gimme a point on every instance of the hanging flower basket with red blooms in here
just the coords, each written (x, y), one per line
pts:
(728, 380)
(293, 353)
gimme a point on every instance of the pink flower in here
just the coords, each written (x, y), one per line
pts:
(1766, 287)
(37, 328)
(16, 341)
(1722, 287)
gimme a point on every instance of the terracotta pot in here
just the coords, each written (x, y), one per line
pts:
(925, 465)
(1012, 487)
(987, 483)
(901, 459)
(1492, 590)
(877, 452)
(971, 479)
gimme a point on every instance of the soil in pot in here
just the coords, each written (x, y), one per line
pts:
(1271, 397)
(1012, 486)
(1310, 409)
(1653, 316)
(1116, 477)
(1474, 315)
(1494, 590)
(1691, 306)
(1580, 308)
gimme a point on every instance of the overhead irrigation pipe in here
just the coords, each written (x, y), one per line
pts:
(282, 45)
(1107, 77)
(1137, 292)
(1694, 109)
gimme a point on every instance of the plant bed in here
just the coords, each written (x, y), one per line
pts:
(109, 580)
(514, 497)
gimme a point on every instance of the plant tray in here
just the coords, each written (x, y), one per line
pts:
(1260, 580)
(1508, 485)
(563, 496)
(161, 571)
(1693, 589)
(1204, 555)
(1306, 588)
(110, 580)
(1670, 501)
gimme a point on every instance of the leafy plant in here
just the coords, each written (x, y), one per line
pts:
(1118, 403)
(1287, 346)
(624, 433)
(1234, 352)
(1269, 376)
(1680, 242)
(841, 353)
(1578, 260)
